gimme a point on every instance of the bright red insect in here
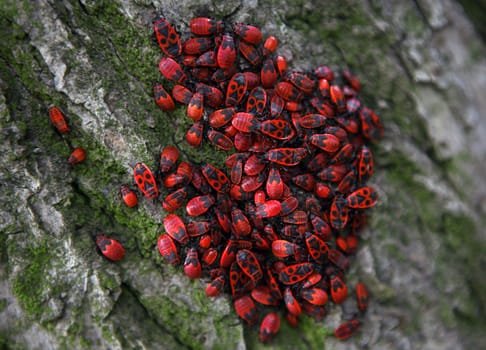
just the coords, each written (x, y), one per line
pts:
(175, 228)
(220, 140)
(263, 295)
(339, 290)
(192, 266)
(145, 180)
(236, 90)
(269, 209)
(205, 26)
(315, 296)
(289, 205)
(268, 74)
(302, 82)
(58, 120)
(221, 117)
(129, 196)
(216, 178)
(371, 125)
(269, 327)
(362, 296)
(257, 101)
(226, 52)
(216, 286)
(194, 135)
(326, 142)
(195, 108)
(277, 129)
(197, 46)
(275, 185)
(283, 249)
(163, 99)
(364, 197)
(168, 249)
(288, 92)
(366, 164)
(168, 39)
(338, 98)
(250, 52)
(78, 155)
(181, 94)
(245, 122)
(291, 302)
(347, 329)
(199, 205)
(286, 156)
(295, 273)
(173, 180)
(110, 247)
(171, 70)
(239, 223)
(168, 158)
(316, 247)
(249, 264)
(281, 63)
(339, 212)
(270, 45)
(248, 33)
(246, 309)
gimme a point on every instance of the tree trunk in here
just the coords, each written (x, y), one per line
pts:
(423, 70)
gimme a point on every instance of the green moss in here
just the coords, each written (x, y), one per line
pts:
(3, 341)
(460, 231)
(476, 10)
(446, 314)
(22, 60)
(414, 22)
(315, 333)
(228, 332)
(75, 335)
(29, 286)
(416, 201)
(200, 298)
(461, 242)
(3, 243)
(396, 252)
(476, 52)
(107, 333)
(7, 343)
(126, 40)
(108, 281)
(178, 319)
(85, 342)
(3, 304)
(310, 335)
(462, 256)
(305, 18)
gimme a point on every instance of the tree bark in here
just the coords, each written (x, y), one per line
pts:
(423, 70)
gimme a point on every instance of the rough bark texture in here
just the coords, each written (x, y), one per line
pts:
(423, 70)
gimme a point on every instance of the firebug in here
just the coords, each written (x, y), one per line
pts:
(110, 247)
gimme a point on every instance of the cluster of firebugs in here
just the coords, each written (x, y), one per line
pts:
(276, 230)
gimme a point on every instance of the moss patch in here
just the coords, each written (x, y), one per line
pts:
(462, 254)
(181, 321)
(28, 286)
(476, 10)
(309, 335)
